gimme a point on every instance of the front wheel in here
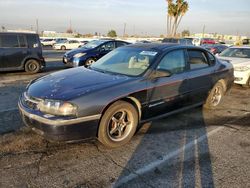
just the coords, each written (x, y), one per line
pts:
(118, 124)
(89, 62)
(215, 96)
(32, 66)
(247, 85)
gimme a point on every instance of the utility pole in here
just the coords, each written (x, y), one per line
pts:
(124, 30)
(37, 26)
(70, 25)
(203, 31)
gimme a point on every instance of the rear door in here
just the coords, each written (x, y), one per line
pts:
(14, 49)
(199, 75)
(169, 93)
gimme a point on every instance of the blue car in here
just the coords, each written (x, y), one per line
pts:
(131, 85)
(91, 52)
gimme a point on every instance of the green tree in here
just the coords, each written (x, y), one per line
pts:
(175, 11)
(112, 33)
(185, 33)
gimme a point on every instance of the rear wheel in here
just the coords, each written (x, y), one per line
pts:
(63, 47)
(32, 66)
(118, 124)
(215, 96)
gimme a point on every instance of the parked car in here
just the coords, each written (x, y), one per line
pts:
(60, 40)
(91, 52)
(21, 51)
(67, 45)
(178, 41)
(246, 41)
(130, 85)
(215, 48)
(143, 41)
(207, 41)
(48, 42)
(239, 56)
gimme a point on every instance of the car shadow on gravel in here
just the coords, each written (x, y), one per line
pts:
(174, 152)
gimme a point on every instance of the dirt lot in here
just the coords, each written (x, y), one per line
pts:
(198, 148)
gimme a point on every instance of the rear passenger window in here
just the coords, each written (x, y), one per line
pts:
(22, 41)
(32, 41)
(197, 59)
(174, 62)
(9, 41)
(119, 44)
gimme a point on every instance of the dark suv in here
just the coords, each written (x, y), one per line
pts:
(21, 51)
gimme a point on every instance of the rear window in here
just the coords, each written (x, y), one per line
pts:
(9, 41)
(33, 41)
(119, 44)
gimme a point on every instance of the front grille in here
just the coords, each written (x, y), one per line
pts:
(30, 102)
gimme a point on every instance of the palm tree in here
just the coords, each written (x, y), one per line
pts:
(175, 12)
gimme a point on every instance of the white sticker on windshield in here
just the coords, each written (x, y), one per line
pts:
(150, 53)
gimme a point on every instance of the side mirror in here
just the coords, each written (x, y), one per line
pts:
(160, 73)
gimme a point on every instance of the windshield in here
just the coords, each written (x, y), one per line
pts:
(93, 44)
(127, 61)
(236, 52)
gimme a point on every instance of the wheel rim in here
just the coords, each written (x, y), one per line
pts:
(89, 62)
(32, 66)
(120, 125)
(217, 95)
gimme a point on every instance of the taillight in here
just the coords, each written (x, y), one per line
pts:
(213, 50)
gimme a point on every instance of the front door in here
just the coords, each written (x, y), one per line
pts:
(169, 93)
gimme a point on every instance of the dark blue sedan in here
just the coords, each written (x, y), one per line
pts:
(130, 85)
(91, 52)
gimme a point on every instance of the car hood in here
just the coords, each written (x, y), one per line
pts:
(72, 83)
(76, 51)
(237, 61)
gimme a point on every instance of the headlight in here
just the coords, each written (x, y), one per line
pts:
(79, 55)
(59, 108)
(241, 68)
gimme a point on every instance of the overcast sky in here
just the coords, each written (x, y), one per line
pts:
(140, 16)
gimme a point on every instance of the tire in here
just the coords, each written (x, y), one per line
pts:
(63, 47)
(247, 85)
(32, 66)
(118, 124)
(215, 96)
(89, 62)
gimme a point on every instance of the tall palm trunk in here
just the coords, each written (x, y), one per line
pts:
(179, 22)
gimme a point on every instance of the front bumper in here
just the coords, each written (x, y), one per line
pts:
(60, 129)
(241, 77)
(72, 62)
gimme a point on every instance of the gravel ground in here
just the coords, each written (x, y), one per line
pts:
(197, 148)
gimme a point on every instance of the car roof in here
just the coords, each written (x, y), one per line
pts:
(154, 46)
(18, 33)
(245, 47)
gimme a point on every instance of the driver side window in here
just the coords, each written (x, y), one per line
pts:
(174, 62)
